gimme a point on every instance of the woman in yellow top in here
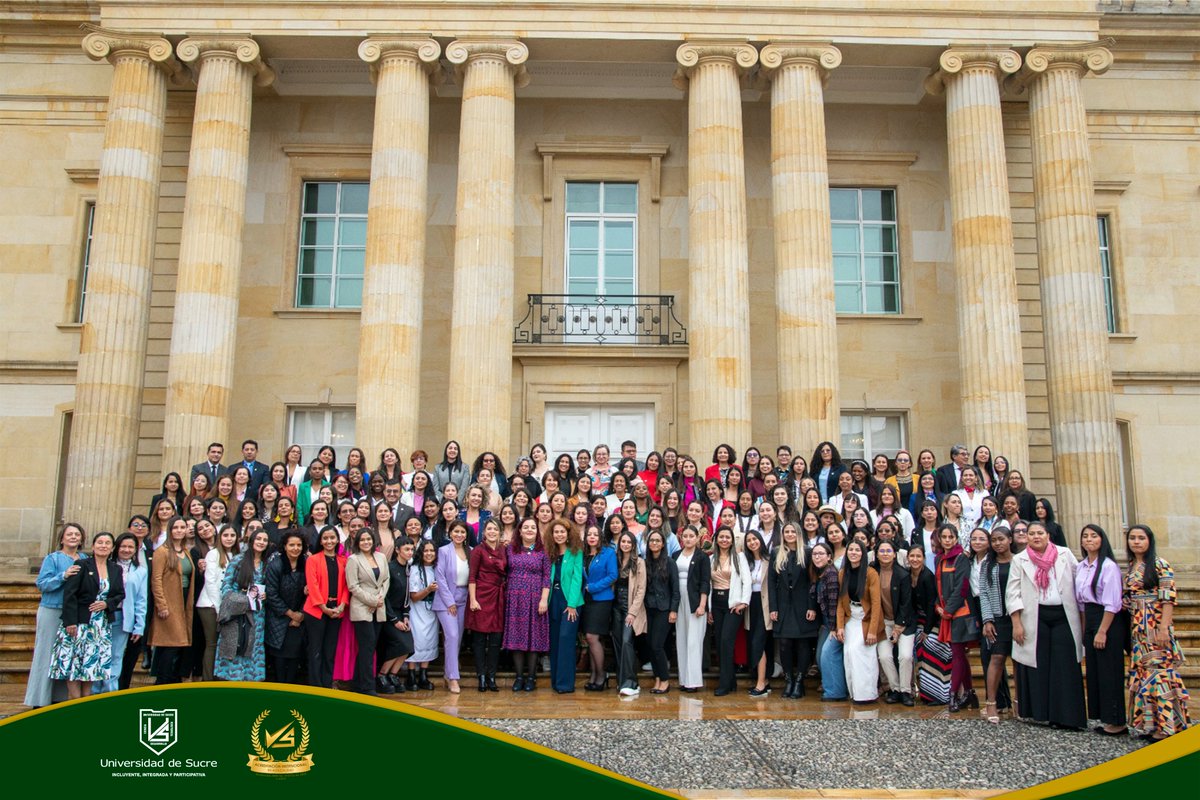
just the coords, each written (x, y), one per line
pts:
(565, 551)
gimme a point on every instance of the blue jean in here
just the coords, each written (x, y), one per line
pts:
(119, 640)
(833, 670)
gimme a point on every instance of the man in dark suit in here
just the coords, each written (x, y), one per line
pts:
(259, 472)
(949, 476)
(212, 467)
(400, 512)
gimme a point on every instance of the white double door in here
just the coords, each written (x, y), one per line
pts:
(571, 427)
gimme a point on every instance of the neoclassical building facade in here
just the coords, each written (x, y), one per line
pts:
(393, 223)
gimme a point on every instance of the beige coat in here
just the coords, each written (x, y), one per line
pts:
(764, 599)
(167, 585)
(1022, 595)
(637, 596)
(366, 590)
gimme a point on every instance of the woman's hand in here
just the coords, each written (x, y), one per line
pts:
(543, 607)
(1101, 640)
(989, 631)
(97, 605)
(809, 615)
(871, 638)
(572, 615)
(201, 564)
(475, 606)
(775, 616)
(135, 637)
(1018, 631)
(700, 612)
(162, 613)
(1162, 636)
(71, 570)
(841, 634)
(674, 615)
(629, 620)
(739, 608)
(402, 625)
(452, 611)
(72, 630)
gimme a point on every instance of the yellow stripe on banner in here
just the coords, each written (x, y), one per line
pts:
(1175, 747)
(366, 700)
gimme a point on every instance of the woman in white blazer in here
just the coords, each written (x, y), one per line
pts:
(728, 600)
(367, 579)
(1047, 633)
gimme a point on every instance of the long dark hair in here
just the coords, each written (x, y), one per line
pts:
(1149, 561)
(629, 566)
(990, 561)
(816, 463)
(458, 460)
(859, 573)
(137, 550)
(655, 565)
(244, 576)
(1106, 551)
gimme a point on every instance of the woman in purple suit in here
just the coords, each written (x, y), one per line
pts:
(450, 600)
(526, 603)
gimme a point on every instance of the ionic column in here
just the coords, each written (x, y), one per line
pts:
(806, 317)
(112, 347)
(480, 396)
(389, 348)
(200, 373)
(991, 368)
(718, 289)
(1079, 373)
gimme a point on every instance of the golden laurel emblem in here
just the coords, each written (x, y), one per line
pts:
(285, 738)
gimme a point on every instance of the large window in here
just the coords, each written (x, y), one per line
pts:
(87, 258)
(601, 252)
(1110, 306)
(313, 428)
(333, 245)
(864, 435)
(866, 254)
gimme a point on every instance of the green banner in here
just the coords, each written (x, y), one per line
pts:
(268, 738)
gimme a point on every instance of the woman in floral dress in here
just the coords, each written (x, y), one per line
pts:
(245, 574)
(83, 647)
(1157, 697)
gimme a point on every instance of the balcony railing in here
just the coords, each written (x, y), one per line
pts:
(600, 319)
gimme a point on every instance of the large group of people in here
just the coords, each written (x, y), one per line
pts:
(874, 580)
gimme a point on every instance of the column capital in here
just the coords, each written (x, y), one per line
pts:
(195, 49)
(822, 55)
(108, 45)
(1080, 58)
(740, 54)
(1001, 61)
(424, 51)
(512, 52)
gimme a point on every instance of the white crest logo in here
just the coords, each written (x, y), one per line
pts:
(158, 730)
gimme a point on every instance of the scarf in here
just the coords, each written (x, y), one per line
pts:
(1044, 565)
(952, 553)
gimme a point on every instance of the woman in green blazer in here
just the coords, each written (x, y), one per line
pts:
(565, 552)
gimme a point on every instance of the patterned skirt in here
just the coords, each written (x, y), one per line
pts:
(87, 655)
(933, 669)
(1158, 700)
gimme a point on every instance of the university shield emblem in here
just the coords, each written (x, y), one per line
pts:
(158, 730)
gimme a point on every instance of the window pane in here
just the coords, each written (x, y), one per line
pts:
(583, 235)
(848, 298)
(851, 444)
(342, 430)
(875, 299)
(349, 293)
(618, 266)
(845, 268)
(879, 239)
(582, 286)
(353, 233)
(620, 198)
(354, 198)
(317, 231)
(316, 262)
(350, 262)
(843, 203)
(583, 198)
(618, 236)
(618, 287)
(314, 292)
(879, 268)
(320, 198)
(308, 427)
(845, 238)
(886, 434)
(878, 204)
(584, 265)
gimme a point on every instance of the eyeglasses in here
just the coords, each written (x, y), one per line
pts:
(138, 524)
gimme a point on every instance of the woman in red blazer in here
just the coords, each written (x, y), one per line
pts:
(326, 603)
(723, 458)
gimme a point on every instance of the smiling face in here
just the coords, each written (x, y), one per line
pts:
(529, 530)
(102, 546)
(127, 550)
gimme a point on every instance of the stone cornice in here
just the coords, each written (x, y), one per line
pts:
(101, 44)
(1082, 58)
(193, 50)
(422, 50)
(742, 55)
(1001, 61)
(512, 52)
(776, 55)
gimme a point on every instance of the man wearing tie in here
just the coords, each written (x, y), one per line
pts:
(212, 467)
(258, 470)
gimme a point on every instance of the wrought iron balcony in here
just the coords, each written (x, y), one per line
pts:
(600, 319)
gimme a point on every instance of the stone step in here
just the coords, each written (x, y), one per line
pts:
(22, 598)
(18, 634)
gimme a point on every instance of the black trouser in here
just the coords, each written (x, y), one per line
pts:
(367, 635)
(168, 664)
(795, 655)
(725, 627)
(1105, 668)
(133, 652)
(287, 670)
(622, 636)
(487, 651)
(657, 629)
(322, 647)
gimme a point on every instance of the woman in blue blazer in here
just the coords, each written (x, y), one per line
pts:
(599, 575)
(129, 622)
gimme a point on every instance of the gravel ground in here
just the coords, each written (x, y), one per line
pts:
(825, 754)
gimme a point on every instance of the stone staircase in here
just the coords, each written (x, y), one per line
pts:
(19, 600)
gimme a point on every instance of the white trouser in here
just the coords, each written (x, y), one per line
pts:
(903, 681)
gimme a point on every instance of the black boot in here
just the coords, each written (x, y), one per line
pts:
(798, 689)
(383, 685)
(423, 681)
(789, 688)
(483, 687)
(410, 680)
(397, 682)
(491, 683)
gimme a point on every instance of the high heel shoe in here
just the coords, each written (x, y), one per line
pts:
(452, 686)
(956, 703)
(992, 715)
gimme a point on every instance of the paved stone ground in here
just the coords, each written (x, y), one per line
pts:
(823, 754)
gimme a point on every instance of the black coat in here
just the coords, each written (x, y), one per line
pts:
(81, 589)
(285, 592)
(662, 591)
(699, 580)
(947, 479)
(791, 596)
(903, 614)
(397, 598)
(924, 598)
